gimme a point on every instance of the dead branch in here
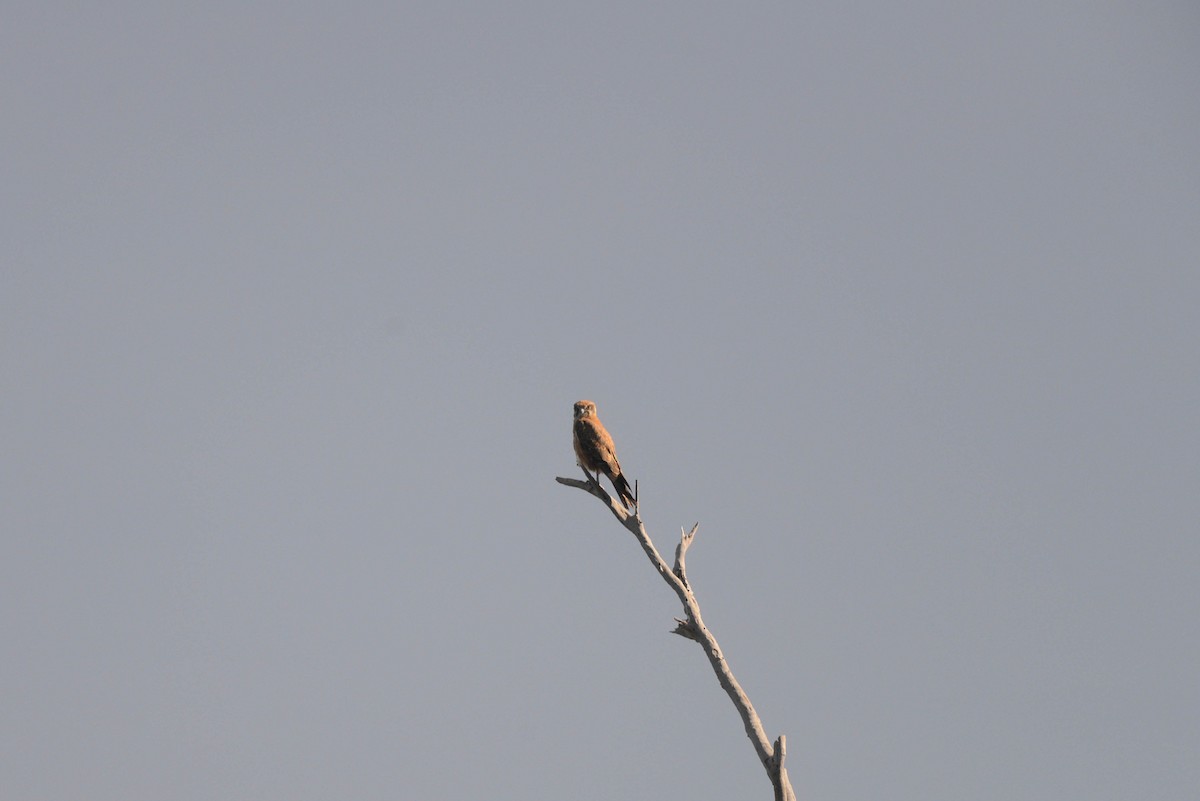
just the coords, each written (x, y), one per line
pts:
(691, 626)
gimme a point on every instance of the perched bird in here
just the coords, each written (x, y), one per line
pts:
(594, 449)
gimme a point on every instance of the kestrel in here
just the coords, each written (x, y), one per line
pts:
(594, 449)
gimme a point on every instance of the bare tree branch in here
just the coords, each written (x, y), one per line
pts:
(691, 626)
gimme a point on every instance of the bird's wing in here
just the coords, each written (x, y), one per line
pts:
(596, 445)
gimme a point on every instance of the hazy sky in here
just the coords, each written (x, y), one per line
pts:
(899, 301)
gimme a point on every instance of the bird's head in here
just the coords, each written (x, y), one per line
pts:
(584, 408)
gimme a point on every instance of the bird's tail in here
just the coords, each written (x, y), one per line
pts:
(623, 489)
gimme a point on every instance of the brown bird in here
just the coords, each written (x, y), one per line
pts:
(594, 449)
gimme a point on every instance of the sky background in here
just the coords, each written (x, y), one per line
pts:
(898, 301)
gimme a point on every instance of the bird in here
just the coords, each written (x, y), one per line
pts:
(594, 450)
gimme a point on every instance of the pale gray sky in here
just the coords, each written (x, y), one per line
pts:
(899, 302)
